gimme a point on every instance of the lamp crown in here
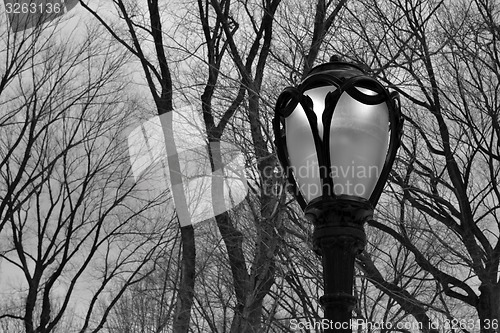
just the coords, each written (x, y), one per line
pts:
(337, 133)
(335, 58)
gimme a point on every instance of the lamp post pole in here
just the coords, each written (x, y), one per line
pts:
(338, 118)
(338, 237)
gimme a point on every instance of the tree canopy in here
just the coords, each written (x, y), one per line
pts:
(89, 246)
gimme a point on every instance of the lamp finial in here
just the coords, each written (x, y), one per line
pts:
(335, 58)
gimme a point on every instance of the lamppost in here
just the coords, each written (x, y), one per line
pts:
(336, 136)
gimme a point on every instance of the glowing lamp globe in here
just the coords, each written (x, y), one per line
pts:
(337, 134)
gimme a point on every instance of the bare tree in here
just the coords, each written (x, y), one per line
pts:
(442, 58)
(442, 203)
(76, 229)
(250, 288)
(143, 24)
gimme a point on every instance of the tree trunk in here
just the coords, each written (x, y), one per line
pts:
(488, 308)
(186, 288)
